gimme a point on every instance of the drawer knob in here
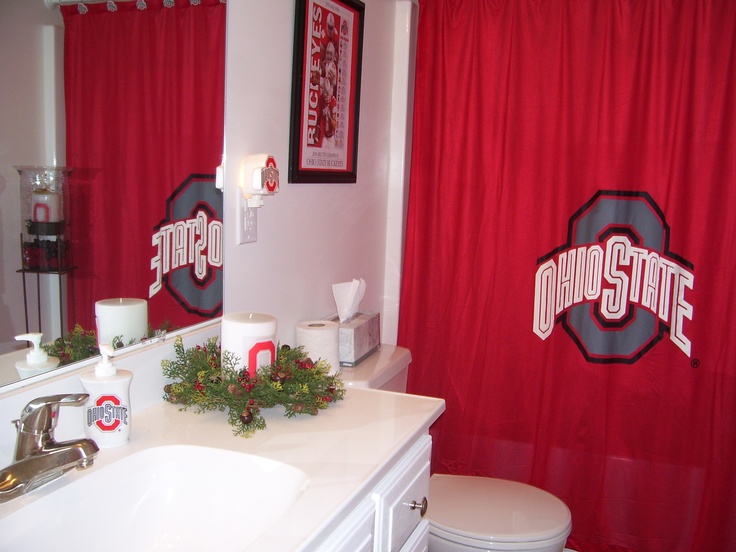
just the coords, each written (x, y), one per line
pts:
(421, 506)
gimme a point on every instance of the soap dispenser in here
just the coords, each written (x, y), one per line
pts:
(107, 410)
(37, 361)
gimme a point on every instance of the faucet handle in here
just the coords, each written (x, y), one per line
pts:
(41, 414)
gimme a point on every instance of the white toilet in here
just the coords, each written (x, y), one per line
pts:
(472, 513)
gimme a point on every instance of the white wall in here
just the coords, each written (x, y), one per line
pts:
(22, 142)
(313, 235)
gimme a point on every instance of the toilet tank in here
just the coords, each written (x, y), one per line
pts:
(387, 368)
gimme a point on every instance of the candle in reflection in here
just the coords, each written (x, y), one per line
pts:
(123, 318)
(46, 206)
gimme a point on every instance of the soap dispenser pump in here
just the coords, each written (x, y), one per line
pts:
(107, 410)
(37, 360)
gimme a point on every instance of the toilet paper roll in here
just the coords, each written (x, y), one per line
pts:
(123, 317)
(320, 339)
(251, 337)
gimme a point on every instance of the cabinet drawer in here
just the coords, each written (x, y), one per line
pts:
(399, 497)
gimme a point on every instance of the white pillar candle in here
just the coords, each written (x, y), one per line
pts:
(46, 206)
(122, 317)
(251, 337)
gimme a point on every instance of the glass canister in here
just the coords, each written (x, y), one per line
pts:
(44, 211)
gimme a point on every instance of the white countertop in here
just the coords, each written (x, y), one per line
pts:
(345, 450)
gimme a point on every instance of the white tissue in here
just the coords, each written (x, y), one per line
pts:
(348, 296)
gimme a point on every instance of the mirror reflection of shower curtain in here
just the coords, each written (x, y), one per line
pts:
(570, 256)
(145, 122)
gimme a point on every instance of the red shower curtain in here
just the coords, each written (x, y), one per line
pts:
(570, 258)
(145, 122)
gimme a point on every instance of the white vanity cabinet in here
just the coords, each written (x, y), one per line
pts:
(418, 541)
(390, 518)
(401, 500)
(356, 532)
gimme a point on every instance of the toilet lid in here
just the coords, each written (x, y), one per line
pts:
(495, 509)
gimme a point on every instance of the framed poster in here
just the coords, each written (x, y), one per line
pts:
(325, 103)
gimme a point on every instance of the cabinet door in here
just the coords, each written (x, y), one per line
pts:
(399, 497)
(418, 541)
(355, 533)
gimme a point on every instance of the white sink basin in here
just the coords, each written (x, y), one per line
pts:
(165, 498)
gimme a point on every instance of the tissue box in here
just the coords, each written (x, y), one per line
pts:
(359, 337)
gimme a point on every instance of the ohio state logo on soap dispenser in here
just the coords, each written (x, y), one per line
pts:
(107, 413)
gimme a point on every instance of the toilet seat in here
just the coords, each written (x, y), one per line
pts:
(493, 513)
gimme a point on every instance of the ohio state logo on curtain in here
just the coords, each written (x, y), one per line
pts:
(614, 286)
(187, 259)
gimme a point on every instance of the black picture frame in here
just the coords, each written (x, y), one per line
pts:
(325, 99)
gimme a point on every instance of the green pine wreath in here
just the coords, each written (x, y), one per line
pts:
(208, 379)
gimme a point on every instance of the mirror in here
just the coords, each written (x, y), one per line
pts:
(29, 134)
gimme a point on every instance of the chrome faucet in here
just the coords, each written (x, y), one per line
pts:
(39, 459)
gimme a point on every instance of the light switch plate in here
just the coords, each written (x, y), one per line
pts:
(247, 222)
(250, 225)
